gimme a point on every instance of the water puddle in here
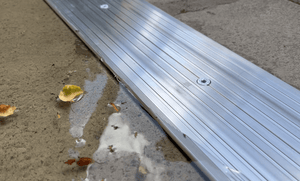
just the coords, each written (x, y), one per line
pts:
(124, 142)
(118, 135)
(81, 111)
(117, 142)
(88, 118)
(171, 151)
(128, 148)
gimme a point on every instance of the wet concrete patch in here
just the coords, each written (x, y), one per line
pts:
(120, 143)
(135, 140)
(83, 110)
(98, 120)
(88, 70)
(120, 139)
(114, 168)
(82, 49)
(171, 151)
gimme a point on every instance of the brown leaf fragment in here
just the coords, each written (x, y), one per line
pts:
(111, 149)
(70, 161)
(84, 161)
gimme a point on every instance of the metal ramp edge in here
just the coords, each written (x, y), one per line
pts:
(237, 121)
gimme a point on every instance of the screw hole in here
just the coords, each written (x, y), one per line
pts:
(104, 6)
(203, 81)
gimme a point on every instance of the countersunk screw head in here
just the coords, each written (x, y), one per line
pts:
(203, 81)
(104, 6)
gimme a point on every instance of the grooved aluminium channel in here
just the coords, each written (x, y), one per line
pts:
(236, 121)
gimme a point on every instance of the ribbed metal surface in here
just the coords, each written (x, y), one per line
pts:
(244, 124)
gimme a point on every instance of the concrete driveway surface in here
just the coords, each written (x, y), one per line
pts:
(39, 54)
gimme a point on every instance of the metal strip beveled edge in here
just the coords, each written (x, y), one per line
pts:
(198, 156)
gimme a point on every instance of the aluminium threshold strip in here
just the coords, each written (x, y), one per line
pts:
(235, 120)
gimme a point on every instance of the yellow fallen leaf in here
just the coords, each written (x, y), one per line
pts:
(142, 170)
(58, 115)
(69, 92)
(6, 110)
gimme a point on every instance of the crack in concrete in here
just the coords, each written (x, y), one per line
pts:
(203, 4)
(295, 1)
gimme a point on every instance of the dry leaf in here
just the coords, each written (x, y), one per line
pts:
(70, 161)
(111, 149)
(84, 161)
(6, 110)
(69, 92)
(58, 115)
(142, 170)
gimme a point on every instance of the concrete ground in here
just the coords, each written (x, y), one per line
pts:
(39, 55)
